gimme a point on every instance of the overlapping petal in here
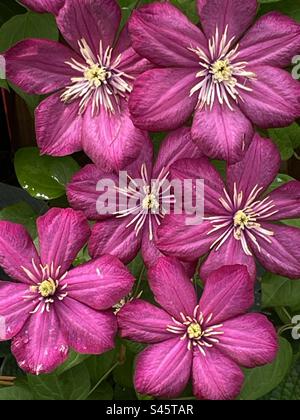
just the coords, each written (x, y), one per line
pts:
(161, 98)
(100, 283)
(222, 133)
(90, 20)
(168, 46)
(167, 280)
(62, 234)
(143, 322)
(286, 199)
(111, 140)
(42, 6)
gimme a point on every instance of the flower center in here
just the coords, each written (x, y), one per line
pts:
(198, 330)
(46, 285)
(194, 330)
(222, 76)
(150, 202)
(243, 221)
(222, 70)
(96, 75)
(99, 83)
(47, 288)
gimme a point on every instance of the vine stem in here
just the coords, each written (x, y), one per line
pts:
(103, 377)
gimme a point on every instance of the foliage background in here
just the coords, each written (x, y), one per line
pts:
(30, 184)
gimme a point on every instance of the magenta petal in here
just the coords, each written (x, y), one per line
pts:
(187, 242)
(234, 13)
(177, 145)
(40, 347)
(113, 236)
(92, 20)
(168, 46)
(100, 283)
(172, 288)
(215, 376)
(111, 140)
(38, 65)
(163, 370)
(287, 201)
(274, 100)
(58, 127)
(273, 40)
(228, 292)
(62, 234)
(282, 255)
(161, 98)
(201, 169)
(14, 308)
(86, 330)
(42, 6)
(16, 251)
(250, 340)
(231, 253)
(83, 192)
(132, 63)
(151, 327)
(222, 133)
(259, 167)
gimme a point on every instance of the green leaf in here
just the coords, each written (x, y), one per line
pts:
(27, 25)
(98, 366)
(280, 291)
(23, 214)
(18, 392)
(288, 7)
(123, 374)
(74, 359)
(72, 385)
(103, 392)
(262, 380)
(280, 180)
(287, 139)
(4, 84)
(188, 7)
(32, 101)
(43, 177)
(9, 8)
(289, 389)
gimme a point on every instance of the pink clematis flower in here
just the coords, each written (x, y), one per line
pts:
(134, 225)
(206, 340)
(228, 75)
(241, 220)
(48, 309)
(44, 6)
(91, 79)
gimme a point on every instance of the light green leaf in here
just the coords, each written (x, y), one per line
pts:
(288, 7)
(72, 385)
(74, 359)
(280, 180)
(262, 380)
(17, 392)
(280, 291)
(43, 177)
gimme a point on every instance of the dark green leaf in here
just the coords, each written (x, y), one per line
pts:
(103, 392)
(23, 214)
(18, 392)
(9, 8)
(98, 366)
(74, 384)
(44, 177)
(287, 139)
(262, 380)
(280, 291)
(74, 359)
